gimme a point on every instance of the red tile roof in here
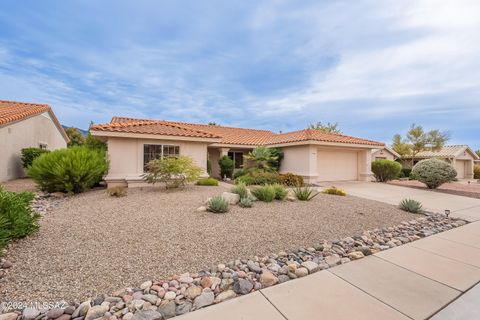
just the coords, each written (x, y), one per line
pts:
(12, 111)
(228, 135)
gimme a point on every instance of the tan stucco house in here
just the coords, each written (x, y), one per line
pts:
(461, 157)
(384, 154)
(24, 125)
(316, 155)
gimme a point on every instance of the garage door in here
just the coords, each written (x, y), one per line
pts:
(337, 165)
(460, 167)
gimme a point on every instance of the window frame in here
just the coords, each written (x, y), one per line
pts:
(162, 152)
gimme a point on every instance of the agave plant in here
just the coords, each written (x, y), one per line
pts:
(217, 204)
(411, 205)
(245, 202)
(305, 193)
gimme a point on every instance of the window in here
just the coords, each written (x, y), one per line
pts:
(237, 158)
(380, 158)
(157, 151)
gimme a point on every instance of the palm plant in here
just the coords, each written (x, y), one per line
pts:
(261, 158)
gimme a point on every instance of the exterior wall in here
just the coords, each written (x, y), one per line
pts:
(301, 160)
(30, 132)
(126, 158)
(214, 155)
(382, 154)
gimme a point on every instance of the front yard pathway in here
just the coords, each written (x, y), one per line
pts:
(460, 207)
(429, 278)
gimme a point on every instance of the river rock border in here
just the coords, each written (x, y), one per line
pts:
(179, 294)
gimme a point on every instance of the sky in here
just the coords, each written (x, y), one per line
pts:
(375, 67)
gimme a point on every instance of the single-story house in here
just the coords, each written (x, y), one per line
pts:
(461, 157)
(384, 154)
(24, 125)
(313, 154)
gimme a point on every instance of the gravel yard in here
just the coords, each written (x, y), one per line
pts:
(93, 243)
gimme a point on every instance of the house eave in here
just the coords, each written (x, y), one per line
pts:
(109, 134)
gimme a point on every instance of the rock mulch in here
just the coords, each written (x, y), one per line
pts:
(179, 294)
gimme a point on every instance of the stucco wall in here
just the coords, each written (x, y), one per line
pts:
(301, 160)
(126, 156)
(382, 154)
(24, 134)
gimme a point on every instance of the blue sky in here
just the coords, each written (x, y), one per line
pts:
(374, 67)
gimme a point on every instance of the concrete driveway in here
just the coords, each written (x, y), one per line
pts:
(461, 207)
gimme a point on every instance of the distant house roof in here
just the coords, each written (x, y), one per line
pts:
(393, 152)
(226, 135)
(13, 111)
(451, 151)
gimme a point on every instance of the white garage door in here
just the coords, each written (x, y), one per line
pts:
(337, 165)
(460, 167)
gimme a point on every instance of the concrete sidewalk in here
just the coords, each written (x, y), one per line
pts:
(460, 207)
(419, 280)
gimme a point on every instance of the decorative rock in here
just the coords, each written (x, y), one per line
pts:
(167, 309)
(8, 316)
(206, 282)
(82, 309)
(54, 313)
(232, 198)
(170, 295)
(7, 264)
(30, 313)
(221, 267)
(225, 295)
(64, 317)
(332, 260)
(310, 266)
(283, 278)
(193, 292)
(242, 286)
(183, 308)
(201, 209)
(203, 300)
(128, 316)
(252, 266)
(301, 272)
(355, 255)
(96, 312)
(146, 285)
(147, 315)
(267, 279)
(152, 298)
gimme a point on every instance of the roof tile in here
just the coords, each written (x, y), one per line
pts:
(12, 111)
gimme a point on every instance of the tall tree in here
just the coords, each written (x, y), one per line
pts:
(328, 127)
(418, 140)
(478, 152)
(75, 136)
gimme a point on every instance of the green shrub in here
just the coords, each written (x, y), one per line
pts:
(386, 170)
(117, 192)
(245, 202)
(411, 205)
(71, 170)
(17, 219)
(304, 193)
(239, 173)
(226, 167)
(335, 191)
(405, 173)
(209, 167)
(217, 204)
(173, 171)
(262, 158)
(280, 191)
(30, 154)
(241, 190)
(434, 172)
(258, 177)
(207, 182)
(264, 193)
(476, 171)
(291, 179)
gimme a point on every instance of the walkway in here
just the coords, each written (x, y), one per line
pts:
(461, 207)
(429, 278)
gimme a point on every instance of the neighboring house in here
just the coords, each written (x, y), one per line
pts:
(384, 154)
(461, 157)
(316, 155)
(24, 125)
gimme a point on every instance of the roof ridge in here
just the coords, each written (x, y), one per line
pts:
(28, 103)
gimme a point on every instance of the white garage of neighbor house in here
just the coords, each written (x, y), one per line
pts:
(313, 154)
(24, 125)
(461, 157)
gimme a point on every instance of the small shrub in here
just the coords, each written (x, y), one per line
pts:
(386, 170)
(17, 219)
(207, 182)
(239, 173)
(173, 171)
(411, 205)
(405, 173)
(241, 190)
(117, 192)
(71, 170)
(291, 179)
(434, 172)
(264, 193)
(335, 191)
(304, 193)
(226, 167)
(258, 177)
(245, 202)
(280, 191)
(217, 204)
(30, 154)
(476, 171)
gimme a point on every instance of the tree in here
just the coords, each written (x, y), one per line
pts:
(328, 127)
(401, 146)
(76, 137)
(173, 171)
(478, 152)
(226, 167)
(261, 158)
(418, 140)
(212, 123)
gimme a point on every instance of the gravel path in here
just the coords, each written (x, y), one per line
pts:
(93, 243)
